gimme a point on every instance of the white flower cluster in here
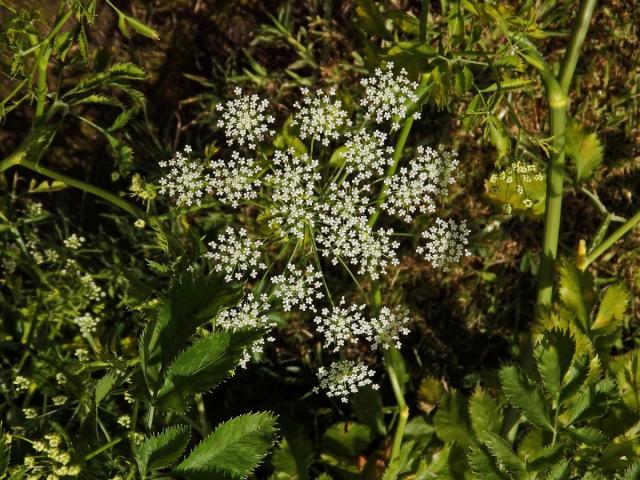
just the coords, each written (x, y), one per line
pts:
(388, 95)
(186, 181)
(446, 243)
(365, 154)
(53, 463)
(386, 329)
(320, 117)
(299, 288)
(87, 323)
(344, 232)
(236, 180)
(21, 383)
(249, 314)
(341, 325)
(292, 192)
(414, 188)
(245, 120)
(236, 255)
(344, 378)
(73, 242)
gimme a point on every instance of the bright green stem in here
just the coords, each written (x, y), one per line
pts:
(553, 205)
(557, 97)
(614, 237)
(397, 154)
(42, 89)
(19, 158)
(578, 35)
(403, 409)
(424, 13)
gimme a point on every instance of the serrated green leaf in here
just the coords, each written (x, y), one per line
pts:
(592, 403)
(485, 413)
(140, 27)
(525, 396)
(612, 309)
(451, 420)
(587, 435)
(105, 385)
(506, 459)
(190, 302)
(632, 473)
(554, 355)
(121, 120)
(203, 365)
(559, 472)
(576, 292)
(544, 458)
(584, 148)
(233, 450)
(483, 466)
(294, 456)
(161, 450)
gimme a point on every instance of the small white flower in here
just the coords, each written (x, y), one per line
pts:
(298, 288)
(251, 313)
(366, 154)
(87, 323)
(414, 189)
(292, 186)
(341, 325)
(385, 330)
(125, 421)
(185, 181)
(344, 378)
(21, 383)
(59, 400)
(388, 95)
(320, 117)
(236, 180)
(30, 413)
(73, 242)
(236, 255)
(446, 243)
(245, 120)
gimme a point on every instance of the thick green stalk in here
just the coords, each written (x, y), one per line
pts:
(403, 409)
(557, 97)
(611, 239)
(553, 205)
(19, 158)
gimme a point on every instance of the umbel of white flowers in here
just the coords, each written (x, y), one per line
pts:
(317, 196)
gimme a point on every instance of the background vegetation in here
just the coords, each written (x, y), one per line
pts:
(469, 322)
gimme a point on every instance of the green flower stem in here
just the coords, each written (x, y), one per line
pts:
(402, 406)
(104, 448)
(614, 237)
(19, 158)
(557, 91)
(424, 14)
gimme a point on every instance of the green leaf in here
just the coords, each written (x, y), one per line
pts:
(203, 365)
(584, 148)
(451, 420)
(233, 450)
(525, 396)
(347, 438)
(498, 136)
(587, 435)
(161, 450)
(5, 454)
(554, 355)
(46, 186)
(592, 403)
(370, 18)
(104, 386)
(544, 458)
(560, 472)
(632, 473)
(485, 413)
(121, 120)
(367, 405)
(482, 465)
(141, 28)
(612, 309)
(576, 292)
(294, 456)
(507, 461)
(190, 302)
